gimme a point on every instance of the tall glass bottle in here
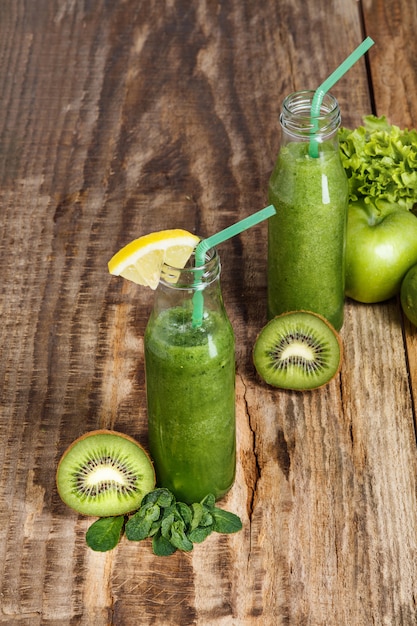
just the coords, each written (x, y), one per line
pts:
(306, 236)
(190, 384)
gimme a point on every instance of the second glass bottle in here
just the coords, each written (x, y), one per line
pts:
(306, 237)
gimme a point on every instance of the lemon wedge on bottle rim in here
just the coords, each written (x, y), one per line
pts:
(142, 259)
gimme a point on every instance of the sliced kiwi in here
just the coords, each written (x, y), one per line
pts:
(104, 473)
(298, 350)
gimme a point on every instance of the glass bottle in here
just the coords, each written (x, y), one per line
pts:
(190, 384)
(306, 236)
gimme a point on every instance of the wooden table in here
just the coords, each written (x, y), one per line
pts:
(121, 118)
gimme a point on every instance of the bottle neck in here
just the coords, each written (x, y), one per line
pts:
(297, 123)
(177, 286)
(191, 277)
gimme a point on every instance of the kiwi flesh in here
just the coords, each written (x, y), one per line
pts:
(104, 473)
(298, 350)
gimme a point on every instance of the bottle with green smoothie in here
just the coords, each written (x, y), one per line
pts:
(190, 384)
(309, 190)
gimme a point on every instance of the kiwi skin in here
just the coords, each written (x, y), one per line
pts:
(306, 385)
(117, 505)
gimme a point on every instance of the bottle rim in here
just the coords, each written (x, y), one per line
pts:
(296, 116)
(192, 276)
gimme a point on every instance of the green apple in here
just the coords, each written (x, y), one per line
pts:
(409, 295)
(381, 245)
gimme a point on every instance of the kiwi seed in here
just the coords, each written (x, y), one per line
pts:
(298, 350)
(104, 473)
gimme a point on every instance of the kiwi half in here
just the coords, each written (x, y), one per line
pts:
(104, 473)
(298, 350)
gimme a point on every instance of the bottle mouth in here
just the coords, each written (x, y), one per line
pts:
(297, 120)
(192, 276)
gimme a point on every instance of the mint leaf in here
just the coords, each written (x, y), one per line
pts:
(104, 534)
(209, 501)
(207, 519)
(139, 526)
(185, 512)
(225, 522)
(199, 534)
(162, 546)
(156, 526)
(197, 512)
(178, 537)
(166, 525)
(161, 496)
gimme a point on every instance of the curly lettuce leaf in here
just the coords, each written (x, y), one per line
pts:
(380, 161)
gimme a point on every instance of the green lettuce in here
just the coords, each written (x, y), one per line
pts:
(380, 161)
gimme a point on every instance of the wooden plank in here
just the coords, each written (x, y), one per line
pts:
(392, 25)
(392, 64)
(122, 118)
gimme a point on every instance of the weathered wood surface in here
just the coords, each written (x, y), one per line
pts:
(119, 118)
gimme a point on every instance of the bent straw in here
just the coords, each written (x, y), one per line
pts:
(328, 84)
(215, 240)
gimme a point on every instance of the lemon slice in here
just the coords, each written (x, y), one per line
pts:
(141, 260)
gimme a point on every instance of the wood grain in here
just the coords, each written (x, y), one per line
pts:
(120, 118)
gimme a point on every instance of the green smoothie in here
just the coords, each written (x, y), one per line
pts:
(306, 237)
(190, 381)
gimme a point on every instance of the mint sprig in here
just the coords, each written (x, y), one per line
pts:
(172, 525)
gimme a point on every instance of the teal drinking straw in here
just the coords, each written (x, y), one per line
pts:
(327, 85)
(215, 240)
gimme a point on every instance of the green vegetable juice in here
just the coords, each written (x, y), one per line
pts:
(306, 237)
(190, 381)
